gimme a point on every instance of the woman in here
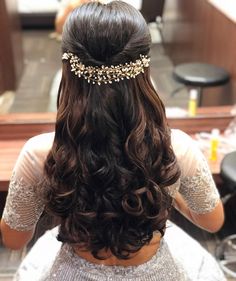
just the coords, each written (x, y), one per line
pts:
(113, 169)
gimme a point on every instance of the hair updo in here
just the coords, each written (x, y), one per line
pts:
(111, 159)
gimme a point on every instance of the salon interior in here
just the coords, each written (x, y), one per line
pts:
(192, 68)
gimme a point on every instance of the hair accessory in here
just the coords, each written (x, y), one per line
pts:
(106, 74)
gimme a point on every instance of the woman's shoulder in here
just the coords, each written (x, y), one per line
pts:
(181, 142)
(188, 153)
(30, 162)
(40, 144)
(185, 147)
(35, 151)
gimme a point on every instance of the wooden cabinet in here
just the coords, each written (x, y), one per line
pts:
(11, 52)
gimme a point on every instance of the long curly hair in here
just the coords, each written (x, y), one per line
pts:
(111, 158)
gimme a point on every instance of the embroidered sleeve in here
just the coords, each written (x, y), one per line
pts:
(196, 183)
(24, 205)
(199, 190)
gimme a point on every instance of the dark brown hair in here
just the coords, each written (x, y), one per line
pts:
(111, 158)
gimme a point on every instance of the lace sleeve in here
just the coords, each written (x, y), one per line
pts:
(196, 183)
(199, 190)
(23, 205)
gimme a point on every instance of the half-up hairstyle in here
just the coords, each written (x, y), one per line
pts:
(111, 159)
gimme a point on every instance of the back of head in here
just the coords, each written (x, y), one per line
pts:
(106, 34)
(111, 159)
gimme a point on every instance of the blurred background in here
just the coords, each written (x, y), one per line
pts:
(182, 31)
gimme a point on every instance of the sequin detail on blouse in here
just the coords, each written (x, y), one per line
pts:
(23, 207)
(199, 190)
(162, 266)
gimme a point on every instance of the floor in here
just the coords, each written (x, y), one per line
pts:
(41, 63)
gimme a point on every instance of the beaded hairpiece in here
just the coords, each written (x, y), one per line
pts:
(106, 74)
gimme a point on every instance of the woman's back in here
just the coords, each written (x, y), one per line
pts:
(152, 262)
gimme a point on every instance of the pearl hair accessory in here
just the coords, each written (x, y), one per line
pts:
(106, 74)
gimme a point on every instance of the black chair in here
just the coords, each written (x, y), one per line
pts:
(226, 250)
(228, 170)
(200, 75)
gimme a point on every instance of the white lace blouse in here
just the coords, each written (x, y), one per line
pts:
(24, 207)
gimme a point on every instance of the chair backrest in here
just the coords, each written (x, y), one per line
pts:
(228, 170)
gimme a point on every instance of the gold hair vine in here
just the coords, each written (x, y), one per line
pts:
(106, 74)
